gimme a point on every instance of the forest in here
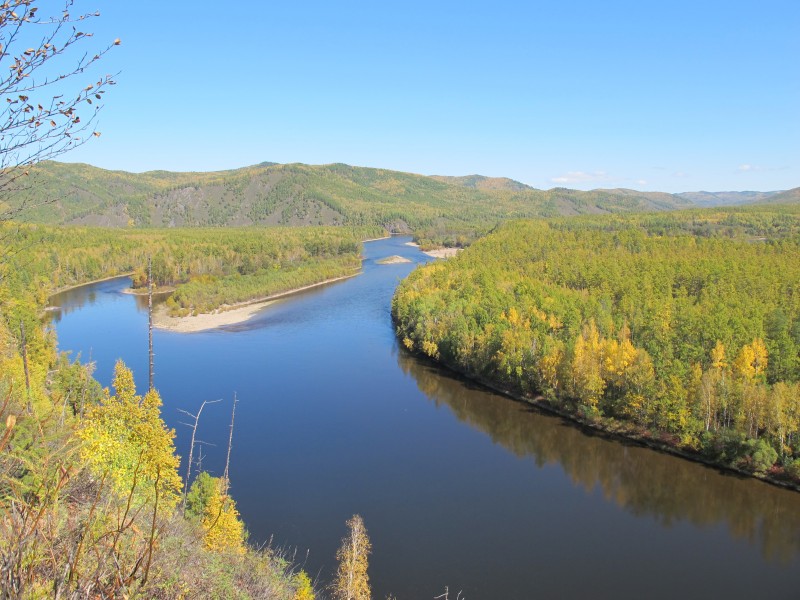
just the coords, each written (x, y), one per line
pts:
(91, 499)
(683, 328)
(207, 267)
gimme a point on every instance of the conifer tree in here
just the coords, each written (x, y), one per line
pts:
(352, 581)
(224, 530)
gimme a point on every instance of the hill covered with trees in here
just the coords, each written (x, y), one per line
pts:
(681, 327)
(298, 194)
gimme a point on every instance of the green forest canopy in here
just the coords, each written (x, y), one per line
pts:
(685, 323)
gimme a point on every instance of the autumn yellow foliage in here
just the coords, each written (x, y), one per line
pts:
(224, 530)
(125, 441)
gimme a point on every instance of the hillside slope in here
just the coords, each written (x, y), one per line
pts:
(788, 197)
(711, 199)
(298, 194)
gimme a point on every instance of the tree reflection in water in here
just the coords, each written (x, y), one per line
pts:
(641, 481)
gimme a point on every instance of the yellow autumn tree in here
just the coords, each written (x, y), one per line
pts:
(718, 356)
(352, 581)
(547, 367)
(618, 356)
(751, 362)
(125, 441)
(587, 366)
(781, 413)
(224, 530)
(640, 379)
(515, 344)
(303, 588)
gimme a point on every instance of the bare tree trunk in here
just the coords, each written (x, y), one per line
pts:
(191, 446)
(24, 343)
(230, 443)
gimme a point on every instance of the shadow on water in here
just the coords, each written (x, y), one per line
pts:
(629, 475)
(73, 299)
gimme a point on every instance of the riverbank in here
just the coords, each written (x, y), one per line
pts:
(437, 252)
(377, 239)
(229, 314)
(165, 289)
(617, 430)
(67, 288)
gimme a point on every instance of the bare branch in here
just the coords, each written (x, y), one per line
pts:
(191, 446)
(45, 110)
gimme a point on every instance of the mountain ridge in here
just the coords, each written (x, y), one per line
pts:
(333, 194)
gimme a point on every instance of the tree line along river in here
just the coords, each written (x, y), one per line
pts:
(458, 486)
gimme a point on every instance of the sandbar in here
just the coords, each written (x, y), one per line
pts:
(438, 252)
(228, 314)
(392, 260)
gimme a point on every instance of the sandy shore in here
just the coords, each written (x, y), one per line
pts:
(443, 252)
(392, 260)
(226, 314)
(205, 321)
(438, 252)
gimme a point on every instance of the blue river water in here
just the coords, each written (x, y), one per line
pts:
(458, 486)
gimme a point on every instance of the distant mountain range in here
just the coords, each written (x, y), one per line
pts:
(336, 194)
(711, 199)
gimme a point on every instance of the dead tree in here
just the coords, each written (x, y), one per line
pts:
(191, 445)
(24, 344)
(230, 444)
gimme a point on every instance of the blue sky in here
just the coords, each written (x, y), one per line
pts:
(671, 96)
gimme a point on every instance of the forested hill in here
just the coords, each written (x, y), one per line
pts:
(298, 194)
(788, 197)
(683, 327)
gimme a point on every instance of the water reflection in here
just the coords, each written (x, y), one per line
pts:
(637, 479)
(73, 299)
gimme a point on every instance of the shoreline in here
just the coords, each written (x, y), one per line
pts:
(386, 237)
(228, 314)
(616, 431)
(67, 288)
(143, 291)
(437, 252)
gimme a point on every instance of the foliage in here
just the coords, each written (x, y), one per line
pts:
(686, 324)
(79, 472)
(352, 581)
(126, 441)
(210, 267)
(45, 111)
(439, 209)
(199, 497)
(224, 531)
(305, 591)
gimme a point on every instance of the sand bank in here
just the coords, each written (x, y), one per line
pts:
(228, 314)
(392, 260)
(438, 252)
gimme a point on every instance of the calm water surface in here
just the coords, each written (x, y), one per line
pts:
(458, 486)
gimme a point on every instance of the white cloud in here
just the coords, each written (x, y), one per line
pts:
(641, 181)
(748, 168)
(581, 177)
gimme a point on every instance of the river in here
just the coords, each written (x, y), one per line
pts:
(458, 486)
